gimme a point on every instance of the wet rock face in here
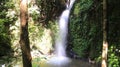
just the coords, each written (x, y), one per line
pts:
(52, 11)
(72, 54)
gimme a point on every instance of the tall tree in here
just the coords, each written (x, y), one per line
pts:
(105, 42)
(24, 39)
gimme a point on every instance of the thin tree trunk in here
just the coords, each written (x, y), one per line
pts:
(105, 42)
(24, 39)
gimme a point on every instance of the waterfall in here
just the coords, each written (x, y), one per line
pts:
(60, 45)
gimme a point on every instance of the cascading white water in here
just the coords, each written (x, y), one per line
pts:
(63, 30)
(60, 45)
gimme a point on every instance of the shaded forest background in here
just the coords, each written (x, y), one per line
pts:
(85, 36)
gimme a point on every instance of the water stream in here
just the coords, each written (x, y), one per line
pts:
(60, 45)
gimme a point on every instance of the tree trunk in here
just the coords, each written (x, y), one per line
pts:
(105, 42)
(24, 39)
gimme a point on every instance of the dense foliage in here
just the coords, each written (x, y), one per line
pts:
(5, 20)
(85, 30)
